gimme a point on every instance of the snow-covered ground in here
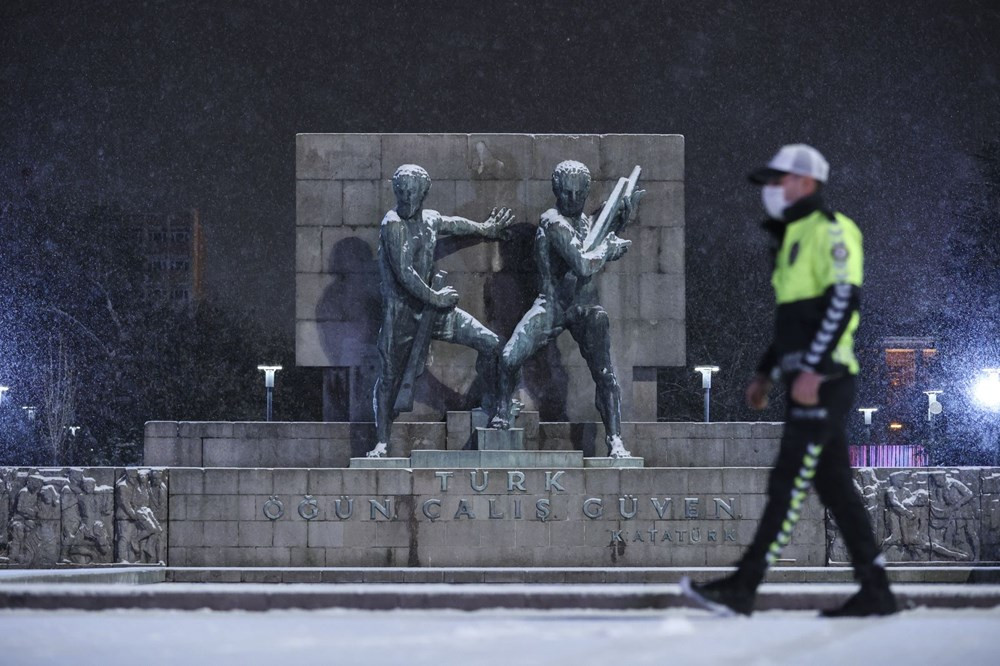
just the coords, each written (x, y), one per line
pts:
(512, 638)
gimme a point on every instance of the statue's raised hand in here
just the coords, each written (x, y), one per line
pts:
(499, 222)
(630, 205)
(445, 298)
(616, 247)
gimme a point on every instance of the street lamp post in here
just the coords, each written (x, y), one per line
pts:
(933, 406)
(868, 411)
(269, 371)
(706, 384)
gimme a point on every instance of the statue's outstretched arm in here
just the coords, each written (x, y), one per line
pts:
(495, 226)
(570, 248)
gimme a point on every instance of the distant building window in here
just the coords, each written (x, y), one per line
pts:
(902, 365)
(158, 264)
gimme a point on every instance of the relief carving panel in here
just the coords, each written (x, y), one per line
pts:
(921, 515)
(55, 516)
(141, 516)
(76, 516)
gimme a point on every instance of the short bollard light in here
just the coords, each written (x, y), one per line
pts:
(269, 371)
(706, 384)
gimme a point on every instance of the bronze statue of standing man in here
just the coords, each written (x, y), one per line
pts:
(415, 307)
(567, 299)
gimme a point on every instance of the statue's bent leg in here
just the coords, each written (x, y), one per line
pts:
(461, 328)
(538, 325)
(592, 332)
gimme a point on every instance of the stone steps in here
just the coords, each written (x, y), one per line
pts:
(469, 597)
(916, 574)
(135, 575)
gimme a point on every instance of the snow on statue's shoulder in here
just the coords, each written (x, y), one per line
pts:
(551, 217)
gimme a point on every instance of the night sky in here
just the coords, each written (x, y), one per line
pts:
(161, 106)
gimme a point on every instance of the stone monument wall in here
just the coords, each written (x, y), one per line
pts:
(343, 189)
(474, 517)
(242, 444)
(553, 516)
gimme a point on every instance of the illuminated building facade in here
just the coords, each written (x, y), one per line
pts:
(173, 247)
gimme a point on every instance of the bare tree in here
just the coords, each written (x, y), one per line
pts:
(59, 393)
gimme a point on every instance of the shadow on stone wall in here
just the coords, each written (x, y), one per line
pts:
(348, 313)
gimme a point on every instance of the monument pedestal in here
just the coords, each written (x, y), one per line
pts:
(430, 459)
(492, 439)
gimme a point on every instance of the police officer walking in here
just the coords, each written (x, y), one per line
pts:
(817, 277)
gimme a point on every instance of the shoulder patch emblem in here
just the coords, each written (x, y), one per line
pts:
(840, 252)
(793, 254)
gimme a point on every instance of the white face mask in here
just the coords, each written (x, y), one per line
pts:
(773, 197)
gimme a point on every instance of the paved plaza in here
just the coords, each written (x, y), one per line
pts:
(675, 636)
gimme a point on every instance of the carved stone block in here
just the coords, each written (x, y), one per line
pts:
(308, 250)
(337, 156)
(319, 203)
(924, 515)
(361, 203)
(661, 155)
(551, 149)
(954, 514)
(5, 501)
(141, 516)
(491, 439)
(500, 156)
(443, 155)
(904, 509)
(55, 516)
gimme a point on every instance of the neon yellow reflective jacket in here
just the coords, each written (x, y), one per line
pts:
(818, 272)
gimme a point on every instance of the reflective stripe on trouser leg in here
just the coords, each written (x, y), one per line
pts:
(799, 490)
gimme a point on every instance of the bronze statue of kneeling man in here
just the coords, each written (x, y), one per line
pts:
(570, 249)
(415, 308)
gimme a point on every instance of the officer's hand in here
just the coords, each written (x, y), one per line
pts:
(446, 298)
(757, 392)
(805, 388)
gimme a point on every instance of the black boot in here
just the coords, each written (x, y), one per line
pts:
(874, 597)
(727, 596)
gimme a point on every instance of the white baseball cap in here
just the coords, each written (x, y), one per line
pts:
(797, 158)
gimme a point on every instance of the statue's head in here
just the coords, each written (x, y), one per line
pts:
(410, 184)
(89, 484)
(35, 483)
(571, 185)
